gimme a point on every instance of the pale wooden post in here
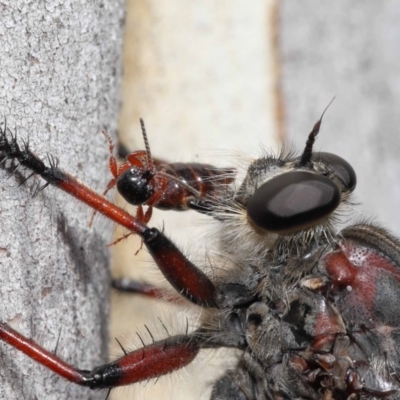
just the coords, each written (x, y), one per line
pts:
(202, 75)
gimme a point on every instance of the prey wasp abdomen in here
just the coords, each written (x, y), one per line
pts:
(174, 186)
(144, 181)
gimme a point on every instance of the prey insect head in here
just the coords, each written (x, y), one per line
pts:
(135, 186)
(301, 193)
(135, 178)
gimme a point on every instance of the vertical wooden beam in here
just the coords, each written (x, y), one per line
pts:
(202, 75)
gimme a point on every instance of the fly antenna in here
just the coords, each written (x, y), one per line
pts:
(146, 145)
(307, 153)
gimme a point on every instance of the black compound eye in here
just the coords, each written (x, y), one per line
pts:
(292, 202)
(135, 187)
(340, 167)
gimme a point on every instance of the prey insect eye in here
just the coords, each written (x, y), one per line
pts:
(134, 187)
(292, 202)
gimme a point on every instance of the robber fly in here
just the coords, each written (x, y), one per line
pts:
(313, 312)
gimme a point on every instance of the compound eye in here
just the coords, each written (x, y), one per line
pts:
(340, 167)
(292, 202)
(135, 187)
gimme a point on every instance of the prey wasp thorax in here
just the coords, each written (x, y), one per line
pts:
(145, 181)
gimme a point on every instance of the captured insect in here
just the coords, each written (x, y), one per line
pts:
(313, 311)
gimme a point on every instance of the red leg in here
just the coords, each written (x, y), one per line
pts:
(113, 167)
(148, 214)
(112, 162)
(110, 185)
(151, 361)
(141, 217)
(183, 275)
(144, 216)
(42, 356)
(137, 158)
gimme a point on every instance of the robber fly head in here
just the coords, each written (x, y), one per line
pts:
(286, 195)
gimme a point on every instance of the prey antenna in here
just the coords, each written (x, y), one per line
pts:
(150, 163)
(146, 145)
(307, 153)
